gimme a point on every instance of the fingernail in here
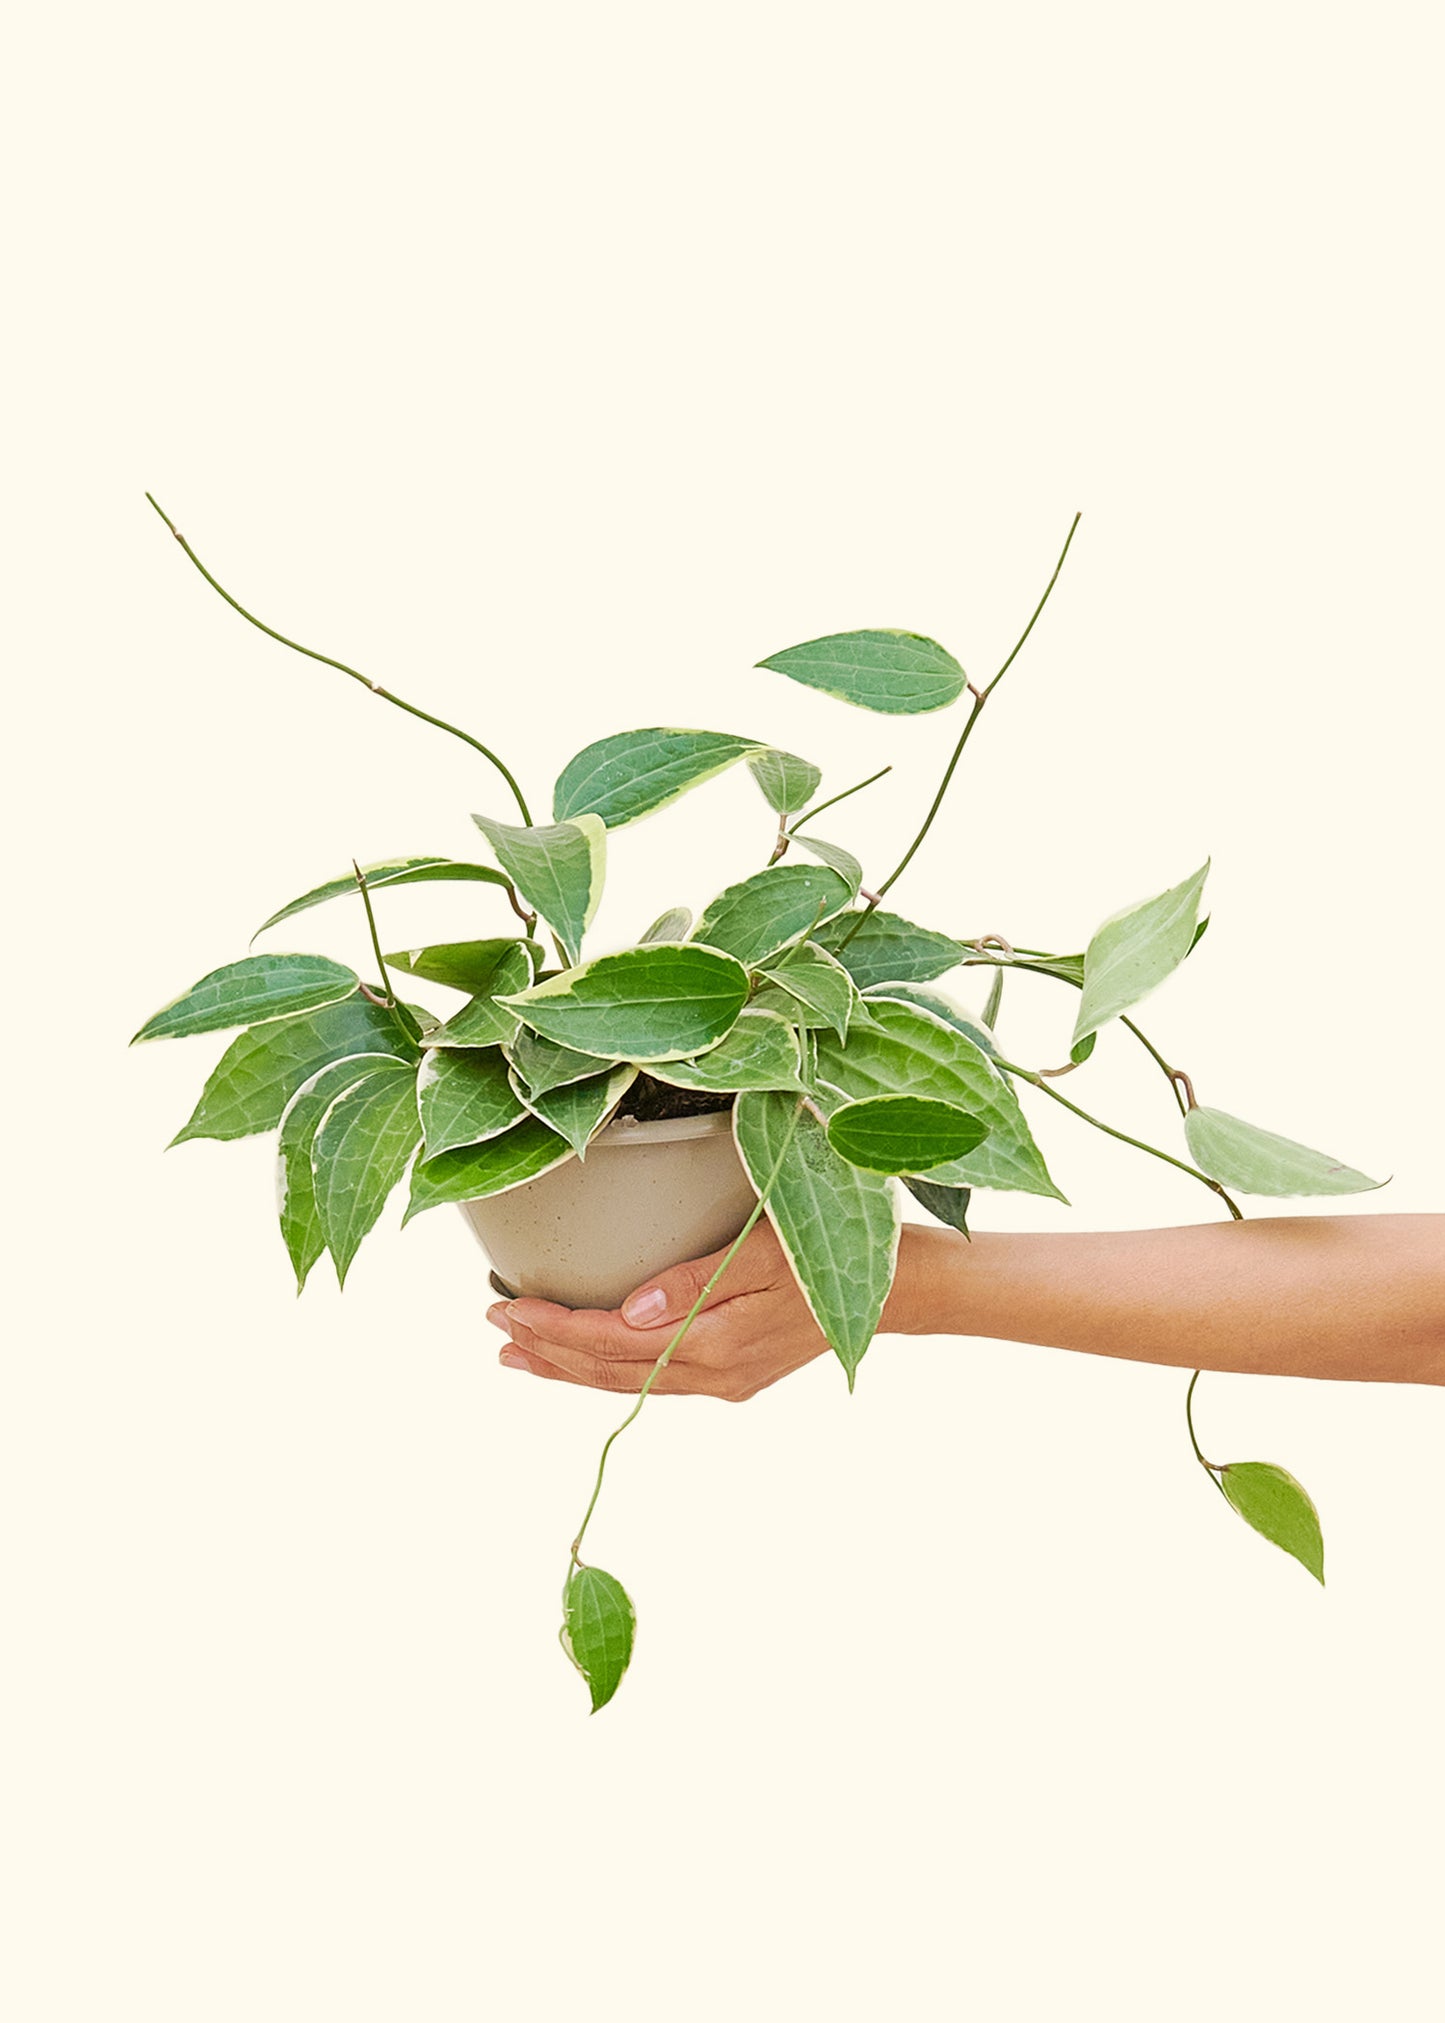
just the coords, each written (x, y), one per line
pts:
(512, 1361)
(641, 1307)
(497, 1315)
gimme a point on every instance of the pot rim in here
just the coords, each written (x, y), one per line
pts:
(626, 1131)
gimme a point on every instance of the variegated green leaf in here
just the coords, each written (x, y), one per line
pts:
(903, 1134)
(463, 1096)
(300, 1219)
(660, 1003)
(815, 983)
(544, 1066)
(761, 1052)
(836, 858)
(245, 993)
(525, 1152)
(899, 673)
(756, 918)
(358, 1154)
(484, 1022)
(788, 782)
(1241, 1156)
(886, 948)
(838, 1225)
(559, 870)
(478, 967)
(902, 1050)
(578, 1110)
(1134, 950)
(1279, 1508)
(634, 773)
(261, 1071)
(598, 1627)
(390, 871)
(670, 926)
(938, 1006)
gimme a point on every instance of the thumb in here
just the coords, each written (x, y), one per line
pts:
(670, 1295)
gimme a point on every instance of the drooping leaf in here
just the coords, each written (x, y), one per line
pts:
(938, 1006)
(1135, 949)
(599, 1624)
(836, 858)
(558, 869)
(754, 919)
(670, 926)
(261, 1071)
(245, 993)
(358, 1154)
(1242, 1156)
(948, 1204)
(902, 1050)
(816, 983)
(463, 1096)
(578, 1110)
(903, 1134)
(1069, 967)
(899, 673)
(544, 1066)
(390, 871)
(300, 1219)
(484, 1022)
(760, 1052)
(838, 1225)
(528, 1150)
(1081, 1049)
(476, 967)
(660, 1003)
(634, 773)
(1279, 1508)
(886, 948)
(788, 782)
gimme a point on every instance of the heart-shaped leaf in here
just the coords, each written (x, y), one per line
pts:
(599, 1625)
(1241, 1156)
(245, 993)
(756, 918)
(886, 948)
(464, 1096)
(633, 773)
(903, 1134)
(1279, 1508)
(525, 1152)
(559, 870)
(1135, 949)
(578, 1110)
(358, 1154)
(478, 967)
(760, 1052)
(301, 1229)
(390, 871)
(660, 1003)
(899, 673)
(788, 782)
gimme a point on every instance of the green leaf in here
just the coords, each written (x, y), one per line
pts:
(949, 1204)
(636, 772)
(836, 858)
(544, 1066)
(838, 1225)
(472, 1171)
(939, 1007)
(578, 1110)
(1279, 1508)
(1081, 1049)
(559, 870)
(245, 993)
(483, 1022)
(1069, 967)
(788, 782)
(756, 918)
(760, 1052)
(473, 966)
(1242, 1156)
(670, 926)
(301, 1229)
(261, 1071)
(814, 983)
(889, 949)
(359, 1153)
(464, 1096)
(598, 1627)
(903, 1134)
(660, 1003)
(995, 999)
(390, 871)
(903, 1051)
(1135, 949)
(899, 673)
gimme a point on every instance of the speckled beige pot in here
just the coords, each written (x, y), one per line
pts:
(647, 1196)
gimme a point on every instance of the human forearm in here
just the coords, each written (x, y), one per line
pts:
(1358, 1297)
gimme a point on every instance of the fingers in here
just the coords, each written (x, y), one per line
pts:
(575, 1366)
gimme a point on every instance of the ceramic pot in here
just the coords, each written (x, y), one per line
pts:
(646, 1196)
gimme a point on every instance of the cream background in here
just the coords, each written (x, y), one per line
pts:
(556, 364)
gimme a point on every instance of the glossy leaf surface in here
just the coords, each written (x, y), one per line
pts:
(903, 1134)
(390, 871)
(762, 914)
(660, 1003)
(483, 1022)
(464, 1095)
(947, 1204)
(889, 949)
(472, 1171)
(814, 982)
(543, 1065)
(359, 1153)
(301, 1229)
(244, 993)
(937, 1006)
(760, 1052)
(633, 773)
(899, 673)
(599, 1625)
(578, 1110)
(478, 967)
(558, 869)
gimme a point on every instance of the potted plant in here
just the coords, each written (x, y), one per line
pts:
(598, 1116)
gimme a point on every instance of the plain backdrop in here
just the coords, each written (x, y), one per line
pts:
(555, 365)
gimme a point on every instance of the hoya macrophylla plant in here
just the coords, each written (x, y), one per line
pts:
(795, 998)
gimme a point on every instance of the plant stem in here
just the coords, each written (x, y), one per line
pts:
(365, 680)
(794, 827)
(386, 983)
(692, 1314)
(1212, 1468)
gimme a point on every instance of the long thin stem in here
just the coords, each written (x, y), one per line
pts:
(1212, 1468)
(794, 827)
(365, 680)
(386, 983)
(692, 1314)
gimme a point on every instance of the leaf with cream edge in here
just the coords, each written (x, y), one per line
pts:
(599, 1625)
(664, 1002)
(898, 673)
(559, 870)
(483, 1022)
(463, 1097)
(634, 773)
(902, 1050)
(815, 983)
(390, 871)
(761, 1052)
(301, 1229)
(544, 1066)
(674, 925)
(759, 916)
(471, 966)
(1279, 1508)
(1135, 950)
(836, 858)
(471, 1172)
(838, 1225)
(938, 1006)
(1253, 1161)
(788, 783)
(250, 992)
(578, 1110)
(359, 1153)
(903, 1134)
(886, 948)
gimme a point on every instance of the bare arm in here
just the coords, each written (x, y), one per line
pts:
(1359, 1297)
